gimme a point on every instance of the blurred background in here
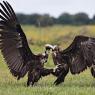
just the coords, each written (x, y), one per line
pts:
(55, 21)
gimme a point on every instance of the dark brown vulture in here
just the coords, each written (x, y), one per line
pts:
(76, 58)
(15, 49)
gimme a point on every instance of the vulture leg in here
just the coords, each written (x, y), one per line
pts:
(61, 73)
(33, 76)
(45, 72)
(93, 71)
(30, 79)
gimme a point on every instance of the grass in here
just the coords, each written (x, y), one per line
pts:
(82, 84)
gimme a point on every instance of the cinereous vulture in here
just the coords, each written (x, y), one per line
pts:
(76, 58)
(15, 49)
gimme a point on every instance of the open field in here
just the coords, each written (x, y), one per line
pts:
(82, 84)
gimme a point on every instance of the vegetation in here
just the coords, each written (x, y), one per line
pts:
(82, 84)
(64, 19)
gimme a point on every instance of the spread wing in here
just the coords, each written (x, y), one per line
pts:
(81, 53)
(13, 42)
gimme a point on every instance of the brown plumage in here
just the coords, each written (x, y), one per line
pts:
(77, 57)
(15, 49)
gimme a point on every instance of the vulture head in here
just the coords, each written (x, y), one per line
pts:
(43, 57)
(55, 52)
(51, 47)
(54, 48)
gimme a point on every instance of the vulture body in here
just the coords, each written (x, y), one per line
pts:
(76, 58)
(15, 49)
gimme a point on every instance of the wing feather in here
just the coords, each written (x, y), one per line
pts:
(81, 53)
(13, 42)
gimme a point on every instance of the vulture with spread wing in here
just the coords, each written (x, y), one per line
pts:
(76, 58)
(15, 48)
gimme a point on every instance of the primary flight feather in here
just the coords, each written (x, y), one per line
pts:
(15, 49)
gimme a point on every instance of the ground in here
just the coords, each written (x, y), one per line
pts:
(82, 84)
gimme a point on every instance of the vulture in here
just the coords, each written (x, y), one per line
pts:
(75, 58)
(15, 49)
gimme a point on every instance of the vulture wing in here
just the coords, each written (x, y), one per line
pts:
(81, 53)
(13, 42)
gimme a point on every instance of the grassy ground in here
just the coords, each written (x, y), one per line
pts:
(82, 84)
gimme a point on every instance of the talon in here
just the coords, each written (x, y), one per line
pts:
(55, 68)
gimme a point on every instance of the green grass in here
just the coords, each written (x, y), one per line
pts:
(82, 84)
